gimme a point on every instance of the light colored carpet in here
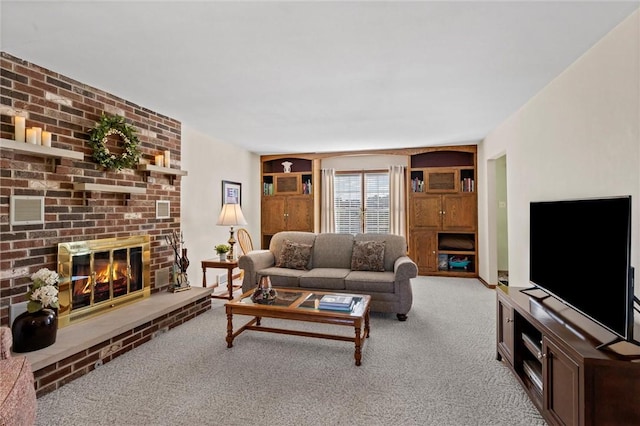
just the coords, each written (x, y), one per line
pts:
(437, 368)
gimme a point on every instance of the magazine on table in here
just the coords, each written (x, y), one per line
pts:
(336, 302)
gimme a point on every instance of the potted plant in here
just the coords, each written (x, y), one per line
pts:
(37, 328)
(222, 250)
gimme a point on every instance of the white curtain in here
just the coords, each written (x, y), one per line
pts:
(327, 214)
(397, 213)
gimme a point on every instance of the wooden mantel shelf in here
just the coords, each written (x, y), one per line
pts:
(165, 170)
(172, 173)
(44, 151)
(97, 187)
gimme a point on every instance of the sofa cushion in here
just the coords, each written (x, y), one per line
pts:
(281, 277)
(368, 281)
(294, 255)
(324, 278)
(367, 256)
(332, 251)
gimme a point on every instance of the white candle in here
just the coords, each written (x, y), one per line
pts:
(160, 160)
(38, 131)
(167, 158)
(31, 136)
(46, 138)
(19, 123)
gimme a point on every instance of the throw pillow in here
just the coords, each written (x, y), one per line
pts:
(456, 242)
(294, 255)
(368, 256)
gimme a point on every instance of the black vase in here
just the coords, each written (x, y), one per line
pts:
(34, 330)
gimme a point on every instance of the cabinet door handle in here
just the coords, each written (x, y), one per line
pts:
(509, 320)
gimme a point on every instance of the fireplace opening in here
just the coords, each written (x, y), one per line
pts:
(101, 274)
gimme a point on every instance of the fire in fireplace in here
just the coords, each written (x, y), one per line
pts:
(98, 275)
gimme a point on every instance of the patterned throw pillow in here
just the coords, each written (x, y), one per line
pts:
(368, 256)
(294, 255)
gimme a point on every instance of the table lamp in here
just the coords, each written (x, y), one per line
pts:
(231, 215)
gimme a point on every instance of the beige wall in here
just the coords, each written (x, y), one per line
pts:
(579, 137)
(209, 162)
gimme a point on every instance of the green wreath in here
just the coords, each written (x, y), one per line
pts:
(114, 125)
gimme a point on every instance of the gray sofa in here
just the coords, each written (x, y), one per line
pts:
(329, 268)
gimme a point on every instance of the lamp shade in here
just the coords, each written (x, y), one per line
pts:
(231, 215)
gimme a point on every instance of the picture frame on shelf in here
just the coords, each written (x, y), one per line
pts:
(231, 192)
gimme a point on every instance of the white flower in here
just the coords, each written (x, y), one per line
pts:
(47, 295)
(45, 276)
(43, 292)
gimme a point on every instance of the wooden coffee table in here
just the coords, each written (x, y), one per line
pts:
(300, 305)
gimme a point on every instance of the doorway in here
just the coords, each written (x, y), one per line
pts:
(502, 235)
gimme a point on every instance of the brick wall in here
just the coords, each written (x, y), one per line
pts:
(69, 109)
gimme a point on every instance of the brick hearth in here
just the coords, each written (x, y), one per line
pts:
(82, 347)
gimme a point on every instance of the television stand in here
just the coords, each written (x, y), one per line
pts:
(606, 346)
(565, 375)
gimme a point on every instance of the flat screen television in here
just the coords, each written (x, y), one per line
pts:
(580, 253)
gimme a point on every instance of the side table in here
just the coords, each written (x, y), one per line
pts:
(229, 265)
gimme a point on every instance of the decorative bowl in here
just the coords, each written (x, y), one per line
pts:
(264, 297)
(264, 294)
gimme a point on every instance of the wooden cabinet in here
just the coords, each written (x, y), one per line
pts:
(288, 200)
(443, 201)
(553, 353)
(444, 212)
(287, 213)
(505, 330)
(561, 373)
(424, 254)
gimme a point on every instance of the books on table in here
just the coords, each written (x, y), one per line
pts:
(336, 303)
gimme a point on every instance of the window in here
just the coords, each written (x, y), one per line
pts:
(362, 202)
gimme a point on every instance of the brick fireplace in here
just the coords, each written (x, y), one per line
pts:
(69, 109)
(76, 209)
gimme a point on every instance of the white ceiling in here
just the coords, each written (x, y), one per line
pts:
(279, 77)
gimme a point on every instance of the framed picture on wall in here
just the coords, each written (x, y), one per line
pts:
(231, 192)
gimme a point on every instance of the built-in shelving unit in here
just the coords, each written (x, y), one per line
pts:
(288, 200)
(443, 211)
(172, 173)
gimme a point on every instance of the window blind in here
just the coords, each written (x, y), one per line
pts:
(362, 202)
